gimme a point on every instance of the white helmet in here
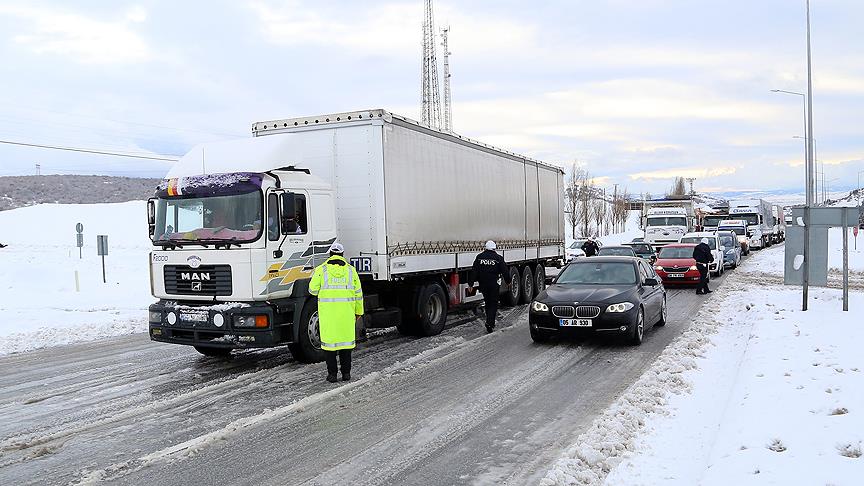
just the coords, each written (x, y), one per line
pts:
(705, 240)
(337, 248)
(490, 245)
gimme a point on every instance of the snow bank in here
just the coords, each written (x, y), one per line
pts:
(771, 260)
(39, 304)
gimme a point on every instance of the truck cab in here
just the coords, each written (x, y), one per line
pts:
(666, 225)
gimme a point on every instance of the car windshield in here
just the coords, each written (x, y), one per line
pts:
(737, 230)
(577, 245)
(667, 221)
(235, 218)
(616, 251)
(712, 242)
(605, 273)
(676, 252)
(727, 241)
(713, 220)
(642, 248)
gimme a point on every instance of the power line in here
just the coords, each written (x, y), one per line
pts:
(88, 151)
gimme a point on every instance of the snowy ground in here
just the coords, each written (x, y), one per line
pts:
(756, 392)
(37, 274)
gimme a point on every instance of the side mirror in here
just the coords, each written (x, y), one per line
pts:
(288, 201)
(151, 216)
(651, 281)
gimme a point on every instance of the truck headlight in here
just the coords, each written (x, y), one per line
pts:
(251, 321)
(622, 307)
(171, 318)
(539, 307)
(156, 316)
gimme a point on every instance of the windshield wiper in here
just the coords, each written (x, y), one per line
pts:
(226, 243)
(170, 242)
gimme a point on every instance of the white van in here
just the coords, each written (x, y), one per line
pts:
(715, 267)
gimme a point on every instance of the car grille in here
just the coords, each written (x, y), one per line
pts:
(564, 311)
(204, 280)
(676, 269)
(587, 311)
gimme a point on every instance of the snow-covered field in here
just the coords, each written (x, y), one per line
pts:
(756, 392)
(771, 261)
(39, 304)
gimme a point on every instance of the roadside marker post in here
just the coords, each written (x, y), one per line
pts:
(79, 228)
(102, 249)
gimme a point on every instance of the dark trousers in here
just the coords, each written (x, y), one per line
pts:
(703, 278)
(344, 359)
(490, 298)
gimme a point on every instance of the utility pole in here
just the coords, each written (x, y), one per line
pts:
(615, 203)
(429, 72)
(690, 180)
(810, 157)
(38, 169)
(448, 111)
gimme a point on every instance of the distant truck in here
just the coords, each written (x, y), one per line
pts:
(710, 221)
(759, 217)
(238, 227)
(739, 227)
(779, 231)
(667, 220)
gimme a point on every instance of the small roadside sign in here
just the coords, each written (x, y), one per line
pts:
(79, 228)
(102, 249)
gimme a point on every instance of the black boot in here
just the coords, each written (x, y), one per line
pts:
(331, 377)
(346, 376)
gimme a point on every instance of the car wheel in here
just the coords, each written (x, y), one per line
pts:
(527, 285)
(539, 336)
(213, 352)
(514, 289)
(539, 279)
(307, 349)
(664, 314)
(638, 328)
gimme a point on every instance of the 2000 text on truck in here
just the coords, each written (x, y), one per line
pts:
(239, 226)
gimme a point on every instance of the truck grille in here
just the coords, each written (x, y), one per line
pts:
(204, 280)
(587, 311)
(564, 311)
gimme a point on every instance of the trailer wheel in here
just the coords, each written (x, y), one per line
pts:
(527, 285)
(432, 310)
(514, 289)
(539, 279)
(307, 349)
(213, 352)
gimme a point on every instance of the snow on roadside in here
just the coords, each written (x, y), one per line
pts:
(39, 304)
(754, 392)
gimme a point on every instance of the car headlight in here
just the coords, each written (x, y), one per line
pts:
(537, 306)
(622, 307)
(658, 267)
(694, 267)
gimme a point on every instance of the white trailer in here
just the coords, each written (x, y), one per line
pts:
(412, 205)
(779, 231)
(759, 217)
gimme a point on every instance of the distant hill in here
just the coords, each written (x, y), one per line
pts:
(20, 191)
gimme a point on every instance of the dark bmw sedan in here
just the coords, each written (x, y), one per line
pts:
(614, 295)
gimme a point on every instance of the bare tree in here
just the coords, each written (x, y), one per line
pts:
(598, 210)
(679, 187)
(573, 188)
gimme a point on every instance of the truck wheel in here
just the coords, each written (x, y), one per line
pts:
(539, 279)
(432, 310)
(527, 285)
(514, 289)
(307, 349)
(213, 352)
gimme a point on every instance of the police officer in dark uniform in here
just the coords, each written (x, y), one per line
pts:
(590, 247)
(702, 255)
(488, 267)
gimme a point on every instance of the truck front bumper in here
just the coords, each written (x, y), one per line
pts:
(214, 326)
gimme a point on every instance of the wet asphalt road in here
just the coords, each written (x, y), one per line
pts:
(463, 407)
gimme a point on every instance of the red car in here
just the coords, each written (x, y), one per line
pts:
(675, 264)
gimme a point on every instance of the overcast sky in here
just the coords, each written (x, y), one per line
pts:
(638, 91)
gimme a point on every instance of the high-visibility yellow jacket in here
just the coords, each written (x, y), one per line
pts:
(340, 301)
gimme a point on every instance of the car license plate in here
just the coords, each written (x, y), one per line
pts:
(194, 316)
(575, 322)
(676, 275)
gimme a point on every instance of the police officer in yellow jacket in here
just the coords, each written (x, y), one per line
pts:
(340, 305)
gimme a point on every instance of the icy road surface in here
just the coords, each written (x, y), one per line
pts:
(463, 407)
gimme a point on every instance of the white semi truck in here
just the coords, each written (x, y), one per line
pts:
(667, 220)
(239, 226)
(779, 231)
(759, 217)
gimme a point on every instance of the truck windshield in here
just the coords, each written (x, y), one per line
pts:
(234, 218)
(713, 220)
(667, 221)
(737, 230)
(752, 219)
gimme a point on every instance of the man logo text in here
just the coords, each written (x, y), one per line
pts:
(200, 276)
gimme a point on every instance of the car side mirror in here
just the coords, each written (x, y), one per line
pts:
(288, 201)
(651, 281)
(151, 216)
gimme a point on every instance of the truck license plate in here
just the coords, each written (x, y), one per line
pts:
(575, 322)
(194, 316)
(676, 275)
